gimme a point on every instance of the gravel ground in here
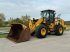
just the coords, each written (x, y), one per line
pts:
(49, 44)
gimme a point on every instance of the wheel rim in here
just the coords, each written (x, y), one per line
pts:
(60, 30)
(43, 31)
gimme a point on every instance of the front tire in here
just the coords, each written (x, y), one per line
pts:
(41, 31)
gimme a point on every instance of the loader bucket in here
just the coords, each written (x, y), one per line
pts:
(19, 33)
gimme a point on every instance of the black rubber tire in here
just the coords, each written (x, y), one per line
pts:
(57, 33)
(38, 31)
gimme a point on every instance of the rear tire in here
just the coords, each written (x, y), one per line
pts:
(41, 31)
(59, 30)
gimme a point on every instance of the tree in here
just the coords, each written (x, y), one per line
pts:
(17, 20)
(25, 19)
(22, 20)
(2, 18)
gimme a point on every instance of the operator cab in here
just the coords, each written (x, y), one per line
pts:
(49, 15)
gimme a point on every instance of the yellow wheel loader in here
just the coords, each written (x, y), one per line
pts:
(40, 28)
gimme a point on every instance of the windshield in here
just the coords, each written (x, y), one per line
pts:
(45, 14)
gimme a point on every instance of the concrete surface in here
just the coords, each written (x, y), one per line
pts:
(49, 44)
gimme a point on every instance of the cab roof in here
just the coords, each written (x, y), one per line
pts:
(48, 10)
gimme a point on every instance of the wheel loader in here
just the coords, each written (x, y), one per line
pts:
(39, 28)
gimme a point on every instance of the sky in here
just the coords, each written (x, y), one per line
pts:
(18, 8)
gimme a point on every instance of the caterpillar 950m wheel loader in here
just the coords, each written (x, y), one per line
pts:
(41, 27)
